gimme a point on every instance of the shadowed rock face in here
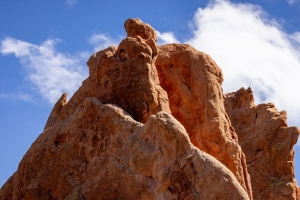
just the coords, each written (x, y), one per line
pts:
(148, 123)
(268, 144)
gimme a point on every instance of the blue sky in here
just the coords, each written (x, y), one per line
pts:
(44, 46)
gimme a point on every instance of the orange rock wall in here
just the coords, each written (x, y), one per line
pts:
(100, 152)
(193, 83)
(268, 144)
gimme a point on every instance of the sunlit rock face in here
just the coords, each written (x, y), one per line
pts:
(268, 144)
(148, 123)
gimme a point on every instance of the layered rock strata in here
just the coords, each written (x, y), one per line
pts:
(268, 144)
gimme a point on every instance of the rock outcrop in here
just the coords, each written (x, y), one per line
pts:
(100, 152)
(125, 76)
(268, 144)
(56, 110)
(187, 81)
(193, 83)
(150, 123)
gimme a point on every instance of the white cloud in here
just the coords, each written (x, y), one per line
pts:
(102, 41)
(251, 50)
(52, 72)
(166, 38)
(295, 40)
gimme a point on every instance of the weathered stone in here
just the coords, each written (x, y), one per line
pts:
(100, 152)
(193, 83)
(135, 27)
(149, 123)
(125, 76)
(56, 110)
(268, 144)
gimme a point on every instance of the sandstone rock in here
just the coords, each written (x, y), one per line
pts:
(125, 76)
(93, 150)
(268, 144)
(135, 27)
(193, 83)
(56, 110)
(100, 152)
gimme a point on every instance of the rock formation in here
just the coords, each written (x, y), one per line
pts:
(125, 76)
(193, 83)
(100, 152)
(268, 144)
(56, 110)
(148, 123)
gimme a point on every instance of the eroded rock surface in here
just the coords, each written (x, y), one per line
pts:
(125, 76)
(187, 83)
(100, 152)
(96, 154)
(268, 144)
(135, 27)
(56, 110)
(149, 123)
(193, 83)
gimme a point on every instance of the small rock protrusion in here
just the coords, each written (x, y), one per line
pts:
(135, 27)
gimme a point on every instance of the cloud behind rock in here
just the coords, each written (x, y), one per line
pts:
(252, 50)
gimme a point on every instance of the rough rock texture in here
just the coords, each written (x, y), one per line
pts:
(95, 150)
(193, 83)
(268, 144)
(100, 152)
(149, 123)
(136, 27)
(56, 110)
(125, 76)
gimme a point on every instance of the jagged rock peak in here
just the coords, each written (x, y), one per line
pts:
(135, 27)
(56, 109)
(268, 143)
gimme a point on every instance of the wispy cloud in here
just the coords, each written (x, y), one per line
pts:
(292, 2)
(51, 71)
(19, 96)
(252, 50)
(102, 41)
(71, 2)
(166, 38)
